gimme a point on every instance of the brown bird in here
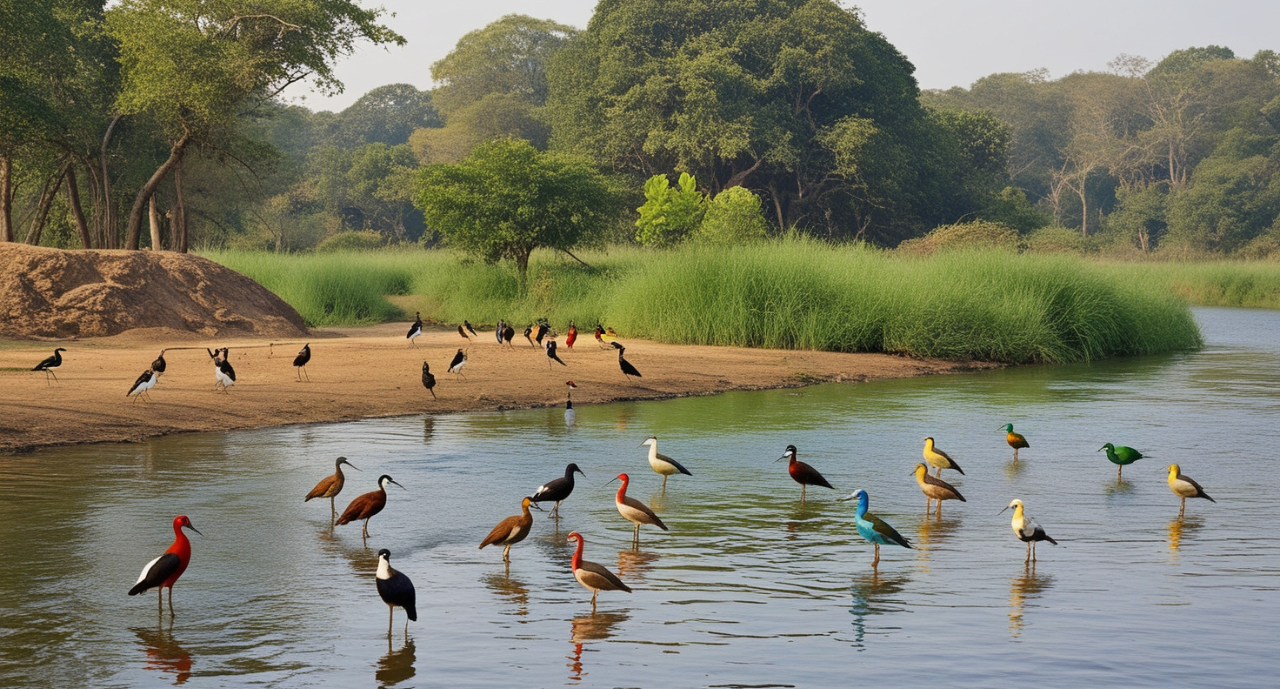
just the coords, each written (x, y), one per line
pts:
(367, 505)
(463, 333)
(428, 379)
(802, 473)
(633, 510)
(330, 486)
(935, 489)
(593, 577)
(510, 531)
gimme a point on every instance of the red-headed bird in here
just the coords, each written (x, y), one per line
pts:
(163, 572)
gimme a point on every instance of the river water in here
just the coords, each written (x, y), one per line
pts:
(750, 588)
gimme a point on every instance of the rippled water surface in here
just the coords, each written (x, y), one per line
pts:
(749, 588)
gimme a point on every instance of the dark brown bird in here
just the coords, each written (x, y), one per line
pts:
(300, 362)
(528, 334)
(508, 334)
(50, 363)
(367, 505)
(802, 473)
(330, 486)
(428, 380)
(463, 333)
(470, 329)
(511, 530)
(627, 368)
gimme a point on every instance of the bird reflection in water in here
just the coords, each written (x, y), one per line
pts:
(1120, 487)
(931, 533)
(1023, 588)
(635, 563)
(874, 594)
(165, 654)
(1179, 526)
(512, 589)
(428, 429)
(397, 665)
(593, 627)
(1013, 469)
(624, 418)
(802, 519)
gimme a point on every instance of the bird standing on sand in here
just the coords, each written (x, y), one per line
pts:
(416, 329)
(551, 354)
(872, 528)
(802, 473)
(224, 376)
(511, 530)
(164, 571)
(662, 464)
(557, 490)
(528, 335)
(300, 362)
(939, 459)
(1027, 530)
(145, 382)
(935, 489)
(159, 364)
(570, 416)
(428, 380)
(1184, 487)
(571, 336)
(497, 330)
(593, 577)
(396, 590)
(470, 329)
(367, 505)
(508, 334)
(1121, 457)
(463, 333)
(633, 510)
(459, 360)
(50, 363)
(1015, 440)
(541, 332)
(330, 486)
(627, 368)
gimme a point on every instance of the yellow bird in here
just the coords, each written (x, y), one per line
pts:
(935, 489)
(1184, 487)
(939, 459)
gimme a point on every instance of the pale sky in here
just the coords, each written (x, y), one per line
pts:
(950, 42)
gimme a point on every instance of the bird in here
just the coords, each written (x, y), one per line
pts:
(802, 473)
(633, 510)
(593, 577)
(416, 329)
(463, 333)
(49, 364)
(541, 331)
(873, 528)
(600, 337)
(511, 530)
(1027, 530)
(1015, 440)
(330, 486)
(528, 334)
(428, 380)
(396, 590)
(508, 334)
(570, 416)
(367, 505)
(551, 354)
(935, 489)
(145, 382)
(627, 368)
(1184, 487)
(224, 375)
(159, 364)
(459, 360)
(1121, 456)
(164, 571)
(469, 328)
(662, 464)
(939, 459)
(571, 336)
(557, 490)
(497, 330)
(300, 362)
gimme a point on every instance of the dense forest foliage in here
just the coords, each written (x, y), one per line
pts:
(713, 120)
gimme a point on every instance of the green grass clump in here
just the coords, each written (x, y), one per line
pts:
(1253, 284)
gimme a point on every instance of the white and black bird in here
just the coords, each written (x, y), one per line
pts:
(1026, 529)
(428, 379)
(159, 364)
(469, 328)
(627, 368)
(416, 329)
(224, 375)
(551, 354)
(570, 416)
(145, 382)
(300, 362)
(49, 364)
(557, 490)
(396, 591)
(459, 360)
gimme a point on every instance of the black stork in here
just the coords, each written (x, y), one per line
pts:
(396, 590)
(551, 354)
(428, 379)
(145, 382)
(557, 490)
(416, 329)
(802, 473)
(300, 362)
(541, 332)
(528, 334)
(49, 364)
(164, 571)
(459, 360)
(330, 486)
(627, 368)
(367, 505)
(159, 364)
(469, 328)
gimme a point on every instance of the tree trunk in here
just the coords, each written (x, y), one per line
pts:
(73, 197)
(144, 194)
(6, 198)
(1084, 209)
(109, 234)
(154, 213)
(178, 228)
(46, 202)
(522, 267)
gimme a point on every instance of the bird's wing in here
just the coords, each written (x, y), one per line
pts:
(933, 481)
(881, 527)
(356, 508)
(628, 369)
(641, 507)
(156, 572)
(605, 574)
(225, 367)
(1199, 491)
(501, 532)
(137, 383)
(679, 467)
(320, 488)
(44, 364)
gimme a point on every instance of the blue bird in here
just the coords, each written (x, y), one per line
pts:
(873, 528)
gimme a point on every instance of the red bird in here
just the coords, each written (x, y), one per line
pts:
(571, 337)
(163, 572)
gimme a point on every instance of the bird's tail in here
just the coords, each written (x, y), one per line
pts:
(412, 611)
(1049, 538)
(138, 588)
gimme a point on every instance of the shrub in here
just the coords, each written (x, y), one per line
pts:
(734, 216)
(364, 240)
(978, 233)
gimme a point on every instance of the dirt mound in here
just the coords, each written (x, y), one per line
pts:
(54, 293)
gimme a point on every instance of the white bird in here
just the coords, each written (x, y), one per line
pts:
(1026, 529)
(145, 382)
(662, 464)
(459, 360)
(416, 329)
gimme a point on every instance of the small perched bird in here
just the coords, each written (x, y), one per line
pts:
(570, 416)
(939, 459)
(470, 329)
(528, 335)
(145, 382)
(1015, 440)
(497, 330)
(633, 510)
(396, 590)
(367, 505)
(571, 336)
(159, 364)
(802, 473)
(662, 464)
(1184, 487)
(935, 489)
(50, 363)
(551, 354)
(164, 571)
(330, 486)
(872, 528)
(300, 362)
(593, 577)
(1027, 530)
(459, 360)
(416, 329)
(224, 376)
(557, 490)
(511, 530)
(463, 333)
(627, 368)
(508, 334)
(428, 380)
(1121, 457)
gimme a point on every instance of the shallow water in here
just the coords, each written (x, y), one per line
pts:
(750, 588)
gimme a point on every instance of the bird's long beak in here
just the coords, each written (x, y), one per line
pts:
(581, 472)
(352, 466)
(535, 506)
(188, 526)
(847, 497)
(780, 458)
(1100, 449)
(1006, 509)
(401, 487)
(615, 478)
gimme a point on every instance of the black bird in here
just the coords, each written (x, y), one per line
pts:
(508, 334)
(470, 329)
(541, 332)
(463, 333)
(627, 368)
(224, 375)
(415, 329)
(459, 360)
(497, 330)
(556, 490)
(528, 335)
(428, 380)
(158, 365)
(49, 364)
(145, 382)
(396, 590)
(551, 354)
(300, 362)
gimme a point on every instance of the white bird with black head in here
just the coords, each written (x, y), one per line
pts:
(145, 382)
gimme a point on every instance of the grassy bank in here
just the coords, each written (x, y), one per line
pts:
(989, 305)
(1253, 284)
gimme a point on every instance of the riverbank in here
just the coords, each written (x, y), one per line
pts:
(371, 372)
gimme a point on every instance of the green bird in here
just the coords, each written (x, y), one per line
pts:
(1120, 456)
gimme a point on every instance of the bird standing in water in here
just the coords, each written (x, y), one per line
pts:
(367, 505)
(1027, 530)
(330, 486)
(428, 380)
(459, 360)
(50, 363)
(935, 489)
(416, 329)
(1121, 457)
(570, 416)
(396, 590)
(571, 336)
(662, 464)
(939, 459)
(872, 528)
(802, 473)
(164, 571)
(557, 490)
(593, 577)
(511, 530)
(627, 368)
(300, 362)
(1015, 440)
(633, 510)
(1184, 487)
(145, 382)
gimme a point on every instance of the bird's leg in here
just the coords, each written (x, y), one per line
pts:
(308, 375)
(170, 601)
(555, 511)
(391, 618)
(1015, 455)
(635, 538)
(593, 601)
(55, 377)
(1033, 551)
(939, 510)
(937, 473)
(506, 554)
(802, 490)
(1119, 474)
(160, 600)
(1183, 508)
(1028, 553)
(877, 560)
(333, 511)
(664, 482)
(299, 372)
(366, 527)
(928, 504)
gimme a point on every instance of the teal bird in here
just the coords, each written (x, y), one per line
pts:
(1121, 456)
(873, 528)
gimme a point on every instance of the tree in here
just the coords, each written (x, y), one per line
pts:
(734, 216)
(386, 115)
(507, 199)
(669, 215)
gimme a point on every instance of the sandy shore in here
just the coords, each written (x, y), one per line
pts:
(372, 372)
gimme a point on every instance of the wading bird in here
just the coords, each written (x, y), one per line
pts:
(1027, 530)
(633, 510)
(416, 329)
(459, 360)
(511, 530)
(1121, 457)
(330, 486)
(627, 368)
(935, 489)
(662, 464)
(873, 528)
(367, 505)
(49, 364)
(1184, 487)
(164, 571)
(570, 416)
(300, 362)
(396, 590)
(939, 459)
(551, 354)
(571, 336)
(145, 382)
(508, 334)
(593, 577)
(470, 329)
(1015, 440)
(802, 473)
(463, 333)
(428, 379)
(159, 364)
(557, 490)
(223, 375)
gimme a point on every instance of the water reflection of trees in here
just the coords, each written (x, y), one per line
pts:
(165, 654)
(585, 628)
(397, 665)
(1023, 589)
(875, 594)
